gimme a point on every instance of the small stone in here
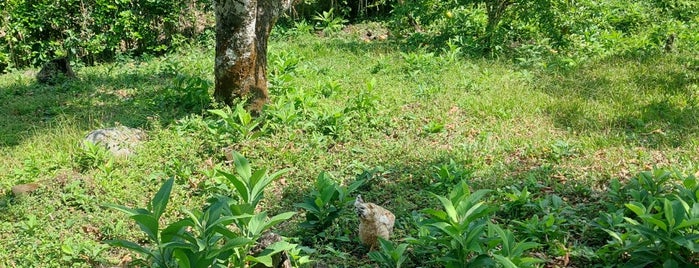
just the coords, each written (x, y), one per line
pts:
(120, 141)
(23, 189)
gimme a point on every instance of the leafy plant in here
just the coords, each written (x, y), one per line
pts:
(329, 22)
(510, 253)
(446, 175)
(238, 123)
(389, 256)
(91, 155)
(546, 228)
(283, 113)
(327, 88)
(463, 230)
(204, 239)
(325, 203)
(302, 27)
(517, 202)
(249, 185)
(433, 127)
(148, 220)
(663, 228)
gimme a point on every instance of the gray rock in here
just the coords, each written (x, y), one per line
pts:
(120, 141)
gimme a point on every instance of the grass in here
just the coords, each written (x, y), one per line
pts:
(363, 109)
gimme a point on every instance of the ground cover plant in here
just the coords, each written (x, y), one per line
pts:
(483, 161)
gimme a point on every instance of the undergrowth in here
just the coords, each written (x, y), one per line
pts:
(556, 164)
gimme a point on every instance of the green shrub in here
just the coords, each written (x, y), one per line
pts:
(36, 31)
(204, 238)
(325, 203)
(658, 225)
(462, 235)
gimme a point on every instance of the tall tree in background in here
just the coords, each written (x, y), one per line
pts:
(242, 30)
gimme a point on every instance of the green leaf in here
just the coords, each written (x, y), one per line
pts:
(239, 185)
(660, 224)
(128, 211)
(242, 166)
(614, 235)
(130, 245)
(310, 207)
(236, 243)
(277, 219)
(449, 208)
(437, 214)
(506, 262)
(636, 208)
(148, 224)
(688, 223)
(181, 258)
(160, 200)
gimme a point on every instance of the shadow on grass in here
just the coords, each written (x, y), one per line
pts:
(649, 102)
(99, 100)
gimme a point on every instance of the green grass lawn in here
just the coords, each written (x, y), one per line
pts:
(370, 110)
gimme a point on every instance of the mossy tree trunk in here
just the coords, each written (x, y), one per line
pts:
(242, 30)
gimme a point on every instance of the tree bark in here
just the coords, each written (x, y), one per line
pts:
(242, 30)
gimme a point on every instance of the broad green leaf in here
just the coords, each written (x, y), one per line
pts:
(264, 260)
(236, 243)
(474, 212)
(631, 221)
(688, 223)
(148, 224)
(437, 214)
(448, 230)
(614, 235)
(181, 258)
(690, 182)
(670, 264)
(680, 213)
(239, 185)
(313, 208)
(506, 262)
(174, 229)
(242, 166)
(160, 200)
(131, 246)
(277, 219)
(449, 208)
(218, 112)
(530, 260)
(660, 224)
(669, 213)
(257, 183)
(638, 209)
(128, 211)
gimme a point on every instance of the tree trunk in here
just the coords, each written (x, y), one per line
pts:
(242, 30)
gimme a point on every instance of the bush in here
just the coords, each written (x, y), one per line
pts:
(36, 31)
(223, 234)
(548, 28)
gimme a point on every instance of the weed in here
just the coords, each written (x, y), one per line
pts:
(325, 203)
(445, 176)
(329, 22)
(238, 124)
(91, 155)
(662, 229)
(203, 239)
(433, 127)
(389, 256)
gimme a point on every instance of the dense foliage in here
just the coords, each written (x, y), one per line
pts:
(568, 31)
(36, 31)
(575, 29)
